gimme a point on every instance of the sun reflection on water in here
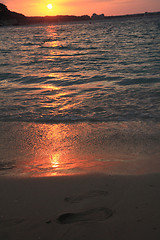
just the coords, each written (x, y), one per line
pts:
(52, 40)
(55, 160)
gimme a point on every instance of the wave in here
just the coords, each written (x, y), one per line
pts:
(73, 119)
(139, 81)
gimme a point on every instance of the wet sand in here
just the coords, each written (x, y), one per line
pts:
(32, 149)
(80, 207)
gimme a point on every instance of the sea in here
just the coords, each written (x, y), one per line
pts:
(80, 97)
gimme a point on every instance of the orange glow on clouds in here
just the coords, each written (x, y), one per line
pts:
(81, 7)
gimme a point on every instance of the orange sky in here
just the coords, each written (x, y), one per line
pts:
(81, 7)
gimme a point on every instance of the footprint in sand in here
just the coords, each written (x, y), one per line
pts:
(91, 194)
(92, 215)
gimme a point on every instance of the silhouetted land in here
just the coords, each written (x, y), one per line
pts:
(9, 18)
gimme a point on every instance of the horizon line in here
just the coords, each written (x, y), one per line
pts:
(127, 14)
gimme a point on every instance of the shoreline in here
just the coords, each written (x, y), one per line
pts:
(91, 206)
(67, 149)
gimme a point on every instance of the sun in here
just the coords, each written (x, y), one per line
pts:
(49, 6)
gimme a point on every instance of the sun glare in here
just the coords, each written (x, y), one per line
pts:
(49, 6)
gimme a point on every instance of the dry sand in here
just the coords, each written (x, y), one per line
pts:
(96, 207)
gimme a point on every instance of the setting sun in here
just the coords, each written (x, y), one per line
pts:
(49, 6)
(79, 8)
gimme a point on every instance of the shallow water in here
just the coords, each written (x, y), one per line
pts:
(100, 79)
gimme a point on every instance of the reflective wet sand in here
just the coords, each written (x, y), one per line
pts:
(34, 149)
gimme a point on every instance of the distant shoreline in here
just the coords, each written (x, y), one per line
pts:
(9, 18)
(94, 17)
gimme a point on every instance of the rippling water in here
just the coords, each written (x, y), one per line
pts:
(104, 72)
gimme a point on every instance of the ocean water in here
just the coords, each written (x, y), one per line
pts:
(79, 97)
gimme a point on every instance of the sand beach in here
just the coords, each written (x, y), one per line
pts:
(94, 206)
